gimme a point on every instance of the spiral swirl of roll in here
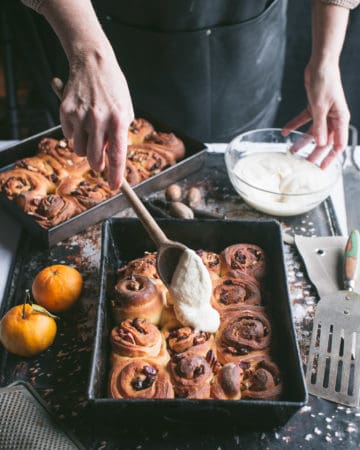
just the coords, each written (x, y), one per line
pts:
(241, 332)
(138, 338)
(167, 141)
(231, 293)
(50, 210)
(63, 152)
(148, 160)
(21, 181)
(44, 164)
(212, 262)
(180, 339)
(139, 378)
(139, 130)
(244, 258)
(87, 191)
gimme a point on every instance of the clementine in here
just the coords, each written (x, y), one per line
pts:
(25, 331)
(57, 287)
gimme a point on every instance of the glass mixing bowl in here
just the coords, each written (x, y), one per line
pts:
(271, 178)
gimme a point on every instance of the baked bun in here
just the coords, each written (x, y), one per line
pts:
(137, 297)
(244, 258)
(139, 378)
(242, 332)
(139, 130)
(167, 141)
(50, 210)
(138, 338)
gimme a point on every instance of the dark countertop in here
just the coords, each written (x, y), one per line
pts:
(60, 374)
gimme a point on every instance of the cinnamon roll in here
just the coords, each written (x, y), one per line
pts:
(139, 130)
(148, 160)
(244, 258)
(212, 262)
(227, 382)
(63, 152)
(261, 378)
(44, 164)
(168, 318)
(180, 339)
(191, 376)
(21, 181)
(138, 338)
(167, 141)
(137, 296)
(241, 332)
(132, 175)
(50, 210)
(145, 266)
(139, 378)
(88, 191)
(231, 293)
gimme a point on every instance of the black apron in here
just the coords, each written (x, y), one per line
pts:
(212, 68)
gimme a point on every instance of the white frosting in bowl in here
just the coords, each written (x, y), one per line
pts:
(281, 183)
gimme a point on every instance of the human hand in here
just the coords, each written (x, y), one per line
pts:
(96, 111)
(327, 109)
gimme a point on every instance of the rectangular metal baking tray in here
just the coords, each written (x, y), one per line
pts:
(125, 239)
(49, 237)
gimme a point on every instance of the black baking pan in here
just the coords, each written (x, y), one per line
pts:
(125, 239)
(49, 237)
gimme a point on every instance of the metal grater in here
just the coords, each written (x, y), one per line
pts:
(26, 423)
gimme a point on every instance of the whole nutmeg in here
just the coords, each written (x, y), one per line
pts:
(178, 209)
(194, 197)
(173, 193)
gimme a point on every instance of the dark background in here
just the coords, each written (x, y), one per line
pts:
(30, 55)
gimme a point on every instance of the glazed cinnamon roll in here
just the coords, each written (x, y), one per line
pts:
(261, 379)
(180, 339)
(21, 181)
(212, 262)
(138, 338)
(227, 382)
(149, 161)
(44, 164)
(191, 376)
(167, 141)
(248, 258)
(137, 296)
(63, 152)
(139, 130)
(139, 378)
(231, 293)
(88, 191)
(241, 332)
(50, 210)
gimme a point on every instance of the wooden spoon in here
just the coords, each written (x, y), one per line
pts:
(169, 252)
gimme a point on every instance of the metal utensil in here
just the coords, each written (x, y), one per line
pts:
(351, 180)
(333, 370)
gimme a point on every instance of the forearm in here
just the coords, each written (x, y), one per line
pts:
(76, 25)
(329, 23)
